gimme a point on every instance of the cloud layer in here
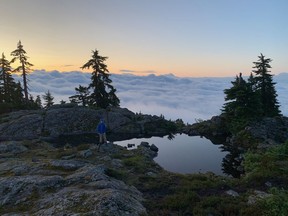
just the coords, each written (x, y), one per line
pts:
(174, 97)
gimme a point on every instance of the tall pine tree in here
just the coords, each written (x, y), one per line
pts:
(7, 81)
(103, 93)
(11, 96)
(8, 88)
(24, 68)
(266, 87)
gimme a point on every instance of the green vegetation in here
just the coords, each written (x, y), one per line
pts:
(267, 165)
(252, 99)
(275, 205)
(117, 174)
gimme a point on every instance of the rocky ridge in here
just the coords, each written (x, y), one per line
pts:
(68, 120)
(266, 132)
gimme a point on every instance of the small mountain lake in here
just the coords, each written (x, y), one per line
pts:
(185, 154)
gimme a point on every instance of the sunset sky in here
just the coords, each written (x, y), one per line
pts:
(197, 38)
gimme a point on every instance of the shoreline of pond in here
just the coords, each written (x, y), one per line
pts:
(190, 154)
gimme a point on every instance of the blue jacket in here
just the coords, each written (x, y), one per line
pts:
(101, 128)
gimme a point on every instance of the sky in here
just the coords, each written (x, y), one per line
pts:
(189, 38)
(188, 98)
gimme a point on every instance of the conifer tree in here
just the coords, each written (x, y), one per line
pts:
(18, 96)
(81, 96)
(243, 104)
(24, 68)
(253, 99)
(48, 99)
(6, 79)
(38, 101)
(265, 87)
(236, 97)
(8, 88)
(103, 93)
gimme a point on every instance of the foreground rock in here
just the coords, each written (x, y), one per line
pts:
(68, 121)
(87, 191)
(36, 180)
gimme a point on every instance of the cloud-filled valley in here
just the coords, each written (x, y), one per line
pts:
(174, 97)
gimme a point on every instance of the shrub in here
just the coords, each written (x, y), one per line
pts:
(277, 204)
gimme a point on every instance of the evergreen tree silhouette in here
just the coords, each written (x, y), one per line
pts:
(24, 68)
(38, 101)
(81, 96)
(9, 89)
(5, 79)
(252, 99)
(103, 93)
(18, 96)
(266, 87)
(237, 106)
(48, 99)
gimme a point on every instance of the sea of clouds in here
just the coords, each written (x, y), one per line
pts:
(174, 97)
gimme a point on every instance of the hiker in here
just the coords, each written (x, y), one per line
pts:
(101, 130)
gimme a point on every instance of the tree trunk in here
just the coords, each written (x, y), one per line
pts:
(25, 88)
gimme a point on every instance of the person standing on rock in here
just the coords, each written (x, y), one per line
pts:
(101, 130)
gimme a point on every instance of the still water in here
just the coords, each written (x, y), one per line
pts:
(185, 154)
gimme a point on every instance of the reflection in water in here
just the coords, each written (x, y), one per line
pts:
(171, 136)
(193, 154)
(231, 163)
(180, 152)
(184, 154)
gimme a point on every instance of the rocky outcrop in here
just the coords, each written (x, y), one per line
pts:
(213, 129)
(21, 124)
(51, 185)
(77, 121)
(264, 133)
(269, 131)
